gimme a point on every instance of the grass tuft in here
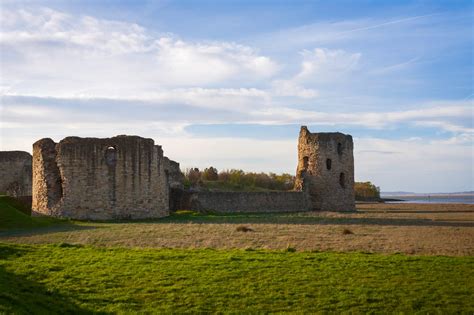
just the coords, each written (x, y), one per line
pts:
(347, 232)
(243, 228)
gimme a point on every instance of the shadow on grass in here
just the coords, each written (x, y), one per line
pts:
(290, 218)
(189, 217)
(20, 295)
(65, 226)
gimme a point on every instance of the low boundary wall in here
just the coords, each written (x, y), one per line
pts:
(231, 202)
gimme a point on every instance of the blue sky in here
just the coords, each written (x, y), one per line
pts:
(229, 83)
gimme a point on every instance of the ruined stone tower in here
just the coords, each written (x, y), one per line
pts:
(326, 170)
(123, 177)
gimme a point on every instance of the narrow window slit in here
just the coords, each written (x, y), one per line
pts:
(328, 164)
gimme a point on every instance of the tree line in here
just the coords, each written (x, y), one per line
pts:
(241, 180)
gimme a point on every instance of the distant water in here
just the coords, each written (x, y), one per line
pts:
(468, 199)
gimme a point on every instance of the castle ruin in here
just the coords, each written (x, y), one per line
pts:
(128, 177)
(123, 177)
(15, 173)
(326, 170)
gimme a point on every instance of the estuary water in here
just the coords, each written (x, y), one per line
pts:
(466, 199)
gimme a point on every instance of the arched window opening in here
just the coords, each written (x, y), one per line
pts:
(111, 156)
(328, 164)
(342, 180)
(339, 148)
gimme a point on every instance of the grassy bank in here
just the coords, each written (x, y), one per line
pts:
(15, 215)
(62, 278)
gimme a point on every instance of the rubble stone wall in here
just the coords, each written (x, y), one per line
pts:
(15, 173)
(123, 177)
(326, 170)
(229, 202)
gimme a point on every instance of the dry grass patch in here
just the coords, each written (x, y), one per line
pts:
(376, 228)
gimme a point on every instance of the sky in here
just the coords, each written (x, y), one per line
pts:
(229, 83)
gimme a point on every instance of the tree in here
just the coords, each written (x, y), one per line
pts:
(210, 174)
(366, 191)
(193, 175)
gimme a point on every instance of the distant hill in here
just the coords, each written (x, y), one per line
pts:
(396, 193)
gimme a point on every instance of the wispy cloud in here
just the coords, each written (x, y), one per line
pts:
(394, 67)
(201, 106)
(388, 23)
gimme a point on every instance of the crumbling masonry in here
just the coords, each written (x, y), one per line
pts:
(15, 173)
(123, 177)
(326, 170)
(128, 177)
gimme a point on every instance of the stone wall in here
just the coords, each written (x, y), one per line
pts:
(173, 172)
(326, 170)
(100, 179)
(15, 173)
(175, 184)
(229, 202)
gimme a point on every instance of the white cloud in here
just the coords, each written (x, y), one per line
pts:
(233, 99)
(202, 63)
(290, 88)
(324, 65)
(447, 116)
(223, 106)
(320, 66)
(51, 53)
(47, 27)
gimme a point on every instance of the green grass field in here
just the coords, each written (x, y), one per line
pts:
(71, 278)
(75, 278)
